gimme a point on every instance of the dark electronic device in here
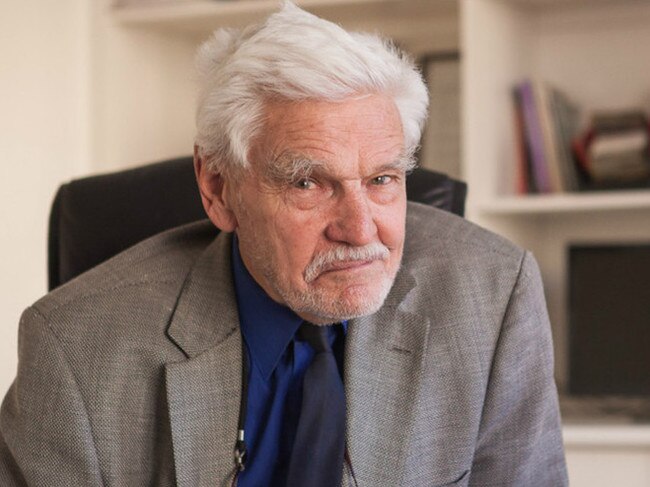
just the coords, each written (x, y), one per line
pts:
(609, 320)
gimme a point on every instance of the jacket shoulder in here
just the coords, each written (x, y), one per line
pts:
(153, 264)
(433, 231)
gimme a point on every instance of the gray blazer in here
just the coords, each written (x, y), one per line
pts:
(130, 375)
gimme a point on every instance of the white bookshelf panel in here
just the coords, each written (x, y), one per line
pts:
(497, 51)
(593, 51)
(607, 455)
(623, 436)
(421, 26)
(604, 201)
(597, 54)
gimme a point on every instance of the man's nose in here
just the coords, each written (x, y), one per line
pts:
(352, 221)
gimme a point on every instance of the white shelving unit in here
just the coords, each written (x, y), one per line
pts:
(608, 455)
(620, 436)
(408, 21)
(567, 203)
(593, 51)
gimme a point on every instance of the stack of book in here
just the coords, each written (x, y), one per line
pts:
(615, 151)
(546, 123)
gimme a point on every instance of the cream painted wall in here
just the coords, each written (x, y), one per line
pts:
(79, 94)
(43, 141)
(142, 91)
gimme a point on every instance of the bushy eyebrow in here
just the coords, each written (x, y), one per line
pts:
(289, 168)
(406, 162)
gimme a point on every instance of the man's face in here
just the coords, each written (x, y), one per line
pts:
(320, 217)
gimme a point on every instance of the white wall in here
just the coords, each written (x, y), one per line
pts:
(43, 141)
(142, 90)
(79, 94)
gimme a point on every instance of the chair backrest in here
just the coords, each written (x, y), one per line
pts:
(95, 218)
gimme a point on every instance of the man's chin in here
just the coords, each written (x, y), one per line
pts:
(353, 302)
(328, 317)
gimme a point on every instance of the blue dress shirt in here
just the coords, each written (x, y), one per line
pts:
(278, 362)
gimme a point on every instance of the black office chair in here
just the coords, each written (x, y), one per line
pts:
(95, 218)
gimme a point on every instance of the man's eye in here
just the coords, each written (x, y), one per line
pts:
(381, 180)
(304, 183)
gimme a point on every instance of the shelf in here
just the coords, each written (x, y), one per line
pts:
(411, 21)
(222, 11)
(587, 49)
(568, 203)
(621, 436)
(541, 6)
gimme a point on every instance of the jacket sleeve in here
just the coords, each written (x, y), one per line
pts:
(45, 434)
(520, 438)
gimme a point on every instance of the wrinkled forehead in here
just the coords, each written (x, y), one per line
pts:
(332, 136)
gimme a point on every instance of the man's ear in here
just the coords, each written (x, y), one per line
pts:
(214, 189)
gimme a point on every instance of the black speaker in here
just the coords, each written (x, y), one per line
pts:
(609, 320)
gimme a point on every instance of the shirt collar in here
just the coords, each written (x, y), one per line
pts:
(267, 327)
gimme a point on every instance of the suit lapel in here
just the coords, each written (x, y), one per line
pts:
(203, 392)
(383, 360)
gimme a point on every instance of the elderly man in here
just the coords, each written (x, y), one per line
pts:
(331, 334)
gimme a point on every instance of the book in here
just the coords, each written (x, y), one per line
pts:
(524, 182)
(618, 121)
(614, 152)
(567, 123)
(619, 142)
(547, 124)
(535, 138)
(620, 155)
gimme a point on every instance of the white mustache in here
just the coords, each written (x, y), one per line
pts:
(321, 262)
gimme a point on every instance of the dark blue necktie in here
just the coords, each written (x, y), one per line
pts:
(317, 454)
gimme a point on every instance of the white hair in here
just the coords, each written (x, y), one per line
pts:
(294, 56)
